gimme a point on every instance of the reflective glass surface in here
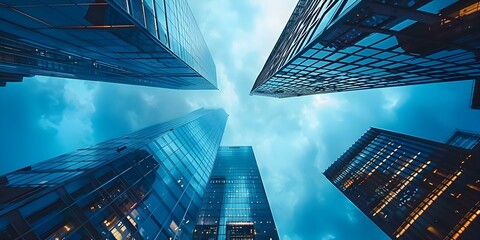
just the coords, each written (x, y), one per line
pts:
(464, 139)
(345, 45)
(410, 187)
(146, 185)
(143, 42)
(235, 205)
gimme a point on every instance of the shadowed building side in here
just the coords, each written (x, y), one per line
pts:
(413, 188)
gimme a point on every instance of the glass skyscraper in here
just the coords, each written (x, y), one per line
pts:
(235, 205)
(146, 185)
(345, 45)
(142, 42)
(463, 139)
(414, 188)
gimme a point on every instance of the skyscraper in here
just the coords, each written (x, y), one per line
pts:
(146, 185)
(463, 139)
(339, 45)
(141, 42)
(235, 205)
(414, 188)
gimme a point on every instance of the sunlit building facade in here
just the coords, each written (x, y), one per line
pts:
(141, 42)
(146, 185)
(414, 188)
(235, 205)
(345, 45)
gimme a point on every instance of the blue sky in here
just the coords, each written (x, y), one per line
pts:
(294, 139)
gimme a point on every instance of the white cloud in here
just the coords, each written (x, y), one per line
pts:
(325, 101)
(328, 237)
(74, 126)
(393, 98)
(229, 93)
(75, 129)
(287, 237)
(317, 108)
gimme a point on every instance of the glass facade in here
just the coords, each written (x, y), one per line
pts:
(235, 205)
(413, 188)
(142, 42)
(345, 45)
(146, 185)
(463, 139)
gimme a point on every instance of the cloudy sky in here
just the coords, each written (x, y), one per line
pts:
(294, 139)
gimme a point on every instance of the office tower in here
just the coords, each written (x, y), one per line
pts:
(235, 205)
(463, 139)
(414, 188)
(339, 45)
(145, 185)
(141, 42)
